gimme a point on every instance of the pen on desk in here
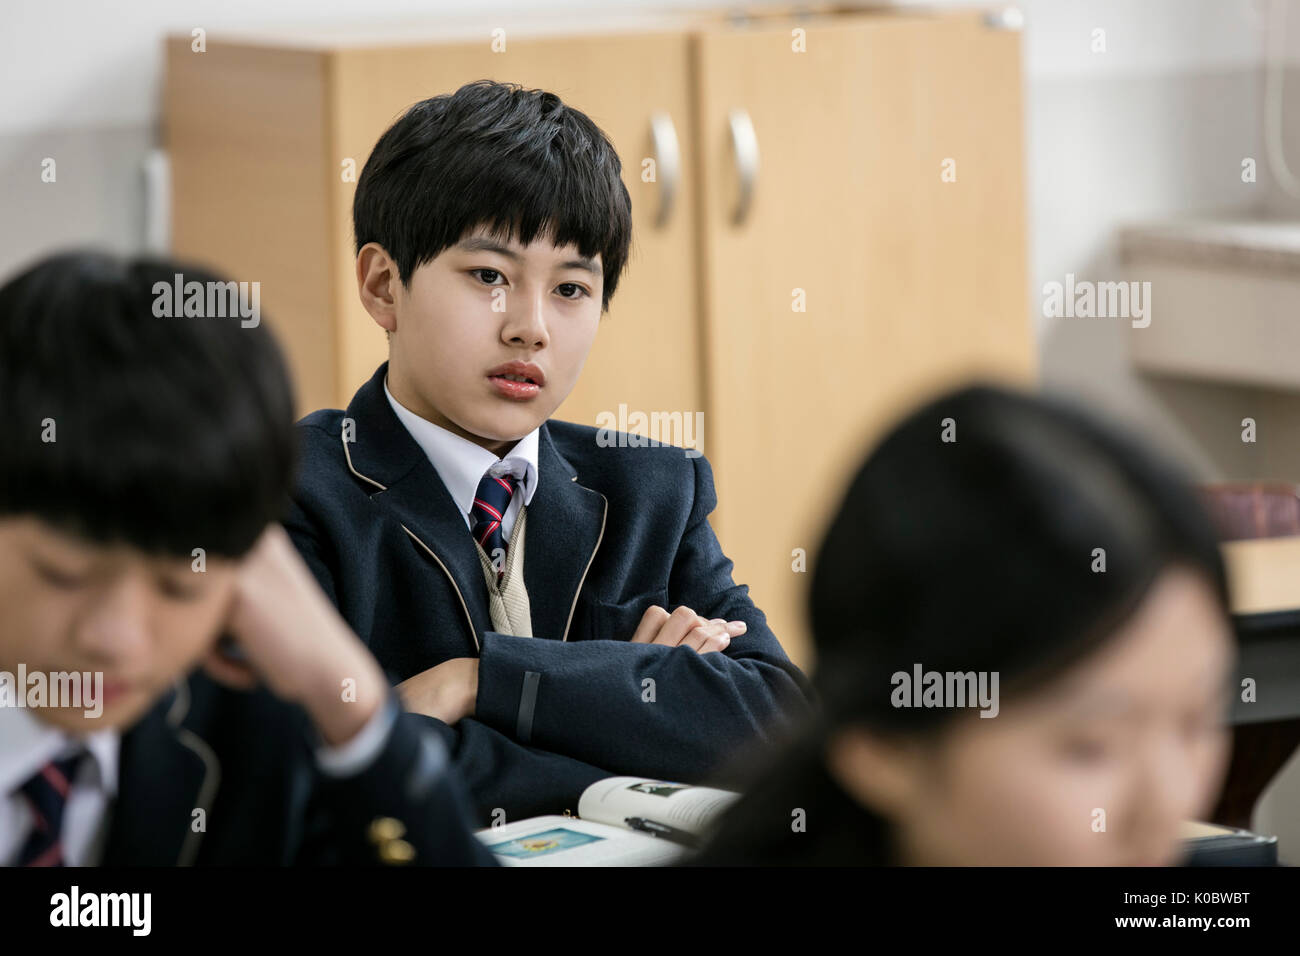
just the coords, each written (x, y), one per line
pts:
(661, 831)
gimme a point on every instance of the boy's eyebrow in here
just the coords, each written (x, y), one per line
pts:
(486, 244)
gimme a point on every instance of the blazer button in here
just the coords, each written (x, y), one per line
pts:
(385, 829)
(396, 852)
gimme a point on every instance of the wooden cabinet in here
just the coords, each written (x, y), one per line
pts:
(909, 281)
(814, 275)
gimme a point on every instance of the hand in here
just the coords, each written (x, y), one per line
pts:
(448, 691)
(685, 628)
(293, 639)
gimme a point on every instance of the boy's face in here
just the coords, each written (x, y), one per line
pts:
(73, 606)
(476, 306)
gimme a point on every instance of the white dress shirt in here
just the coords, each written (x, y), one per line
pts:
(28, 744)
(461, 464)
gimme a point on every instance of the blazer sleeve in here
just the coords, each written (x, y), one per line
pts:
(499, 773)
(405, 808)
(647, 709)
(508, 780)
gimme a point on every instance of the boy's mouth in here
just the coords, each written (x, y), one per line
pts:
(517, 380)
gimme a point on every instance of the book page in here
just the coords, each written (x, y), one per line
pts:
(1194, 829)
(677, 805)
(568, 841)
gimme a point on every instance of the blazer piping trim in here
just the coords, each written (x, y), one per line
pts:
(348, 455)
(211, 770)
(208, 790)
(414, 537)
(572, 607)
(463, 606)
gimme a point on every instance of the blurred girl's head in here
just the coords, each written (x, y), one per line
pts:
(1054, 564)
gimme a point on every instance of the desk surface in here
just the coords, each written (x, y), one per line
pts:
(1263, 574)
(1264, 582)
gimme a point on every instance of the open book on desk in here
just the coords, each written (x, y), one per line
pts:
(622, 821)
(1210, 844)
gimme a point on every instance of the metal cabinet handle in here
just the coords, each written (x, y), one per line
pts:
(744, 144)
(668, 164)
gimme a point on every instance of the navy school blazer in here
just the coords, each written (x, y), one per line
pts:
(245, 760)
(611, 531)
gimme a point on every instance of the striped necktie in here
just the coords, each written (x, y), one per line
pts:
(47, 793)
(490, 504)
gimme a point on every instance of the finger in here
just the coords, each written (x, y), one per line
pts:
(704, 636)
(676, 627)
(736, 628)
(715, 643)
(651, 621)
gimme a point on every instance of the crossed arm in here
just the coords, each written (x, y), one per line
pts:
(531, 723)
(674, 699)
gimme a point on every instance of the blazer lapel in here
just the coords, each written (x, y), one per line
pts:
(565, 520)
(566, 523)
(165, 773)
(401, 478)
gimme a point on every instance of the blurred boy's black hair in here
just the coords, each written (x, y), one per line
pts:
(170, 434)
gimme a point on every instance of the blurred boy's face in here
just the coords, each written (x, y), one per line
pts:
(69, 605)
(474, 308)
(1137, 730)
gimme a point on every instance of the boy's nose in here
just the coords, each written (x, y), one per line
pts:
(527, 324)
(115, 626)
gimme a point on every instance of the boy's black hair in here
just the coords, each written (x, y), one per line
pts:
(517, 161)
(169, 433)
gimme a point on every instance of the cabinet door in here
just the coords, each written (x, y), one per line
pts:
(859, 279)
(245, 127)
(647, 352)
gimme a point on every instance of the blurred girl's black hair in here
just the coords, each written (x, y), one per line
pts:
(975, 554)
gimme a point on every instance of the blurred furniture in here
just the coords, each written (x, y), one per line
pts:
(1253, 510)
(1262, 553)
(1227, 292)
(835, 230)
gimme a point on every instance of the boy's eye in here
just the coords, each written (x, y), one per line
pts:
(178, 590)
(65, 578)
(486, 276)
(572, 285)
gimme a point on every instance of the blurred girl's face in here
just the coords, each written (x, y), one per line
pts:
(1099, 768)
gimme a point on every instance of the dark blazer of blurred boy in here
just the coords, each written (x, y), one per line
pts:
(145, 458)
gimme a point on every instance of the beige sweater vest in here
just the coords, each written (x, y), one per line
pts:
(508, 603)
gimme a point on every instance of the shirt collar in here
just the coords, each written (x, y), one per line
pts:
(27, 744)
(461, 464)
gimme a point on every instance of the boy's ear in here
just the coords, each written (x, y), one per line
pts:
(377, 280)
(227, 664)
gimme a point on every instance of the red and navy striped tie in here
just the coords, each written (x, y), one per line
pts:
(47, 792)
(490, 503)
